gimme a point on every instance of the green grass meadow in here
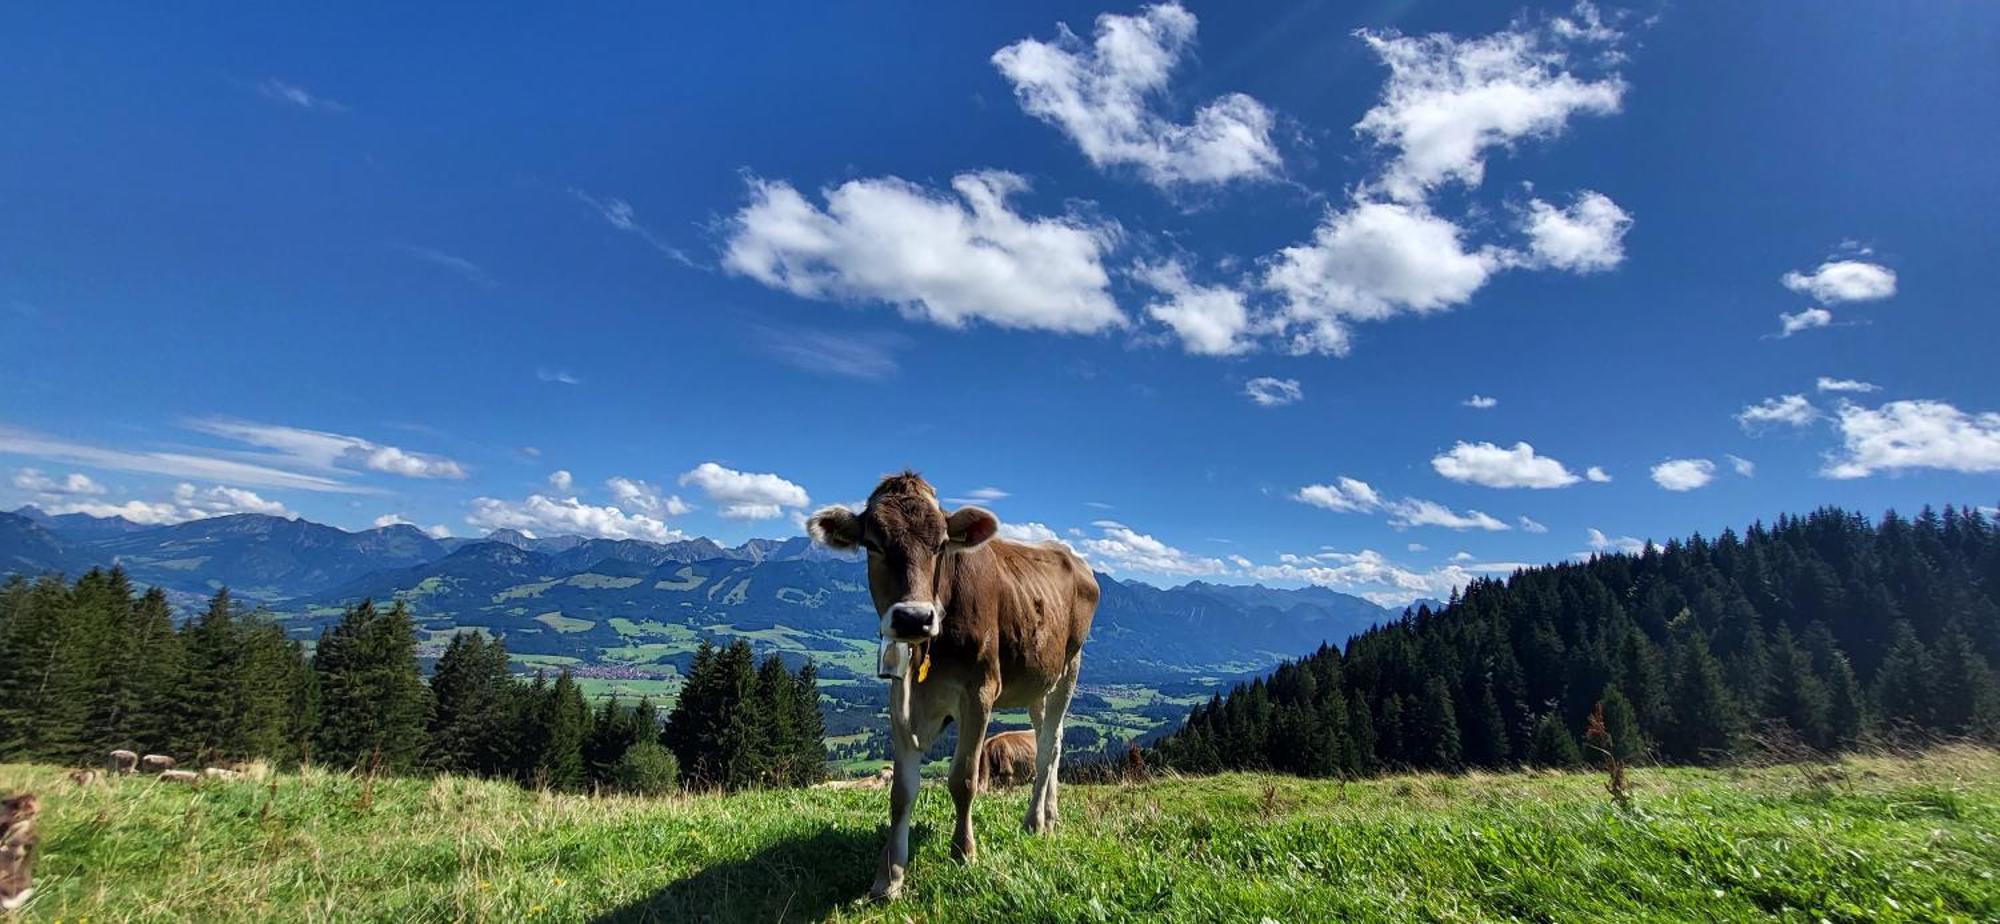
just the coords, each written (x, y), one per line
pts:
(1864, 839)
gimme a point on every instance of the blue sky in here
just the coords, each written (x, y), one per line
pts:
(384, 261)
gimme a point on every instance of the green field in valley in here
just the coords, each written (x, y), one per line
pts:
(1864, 839)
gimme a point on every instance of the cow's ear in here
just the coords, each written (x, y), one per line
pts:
(970, 527)
(835, 528)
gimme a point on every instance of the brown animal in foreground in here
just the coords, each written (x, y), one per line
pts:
(992, 624)
(179, 776)
(17, 846)
(154, 763)
(122, 761)
(1007, 759)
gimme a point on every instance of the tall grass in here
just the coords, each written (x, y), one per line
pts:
(1862, 839)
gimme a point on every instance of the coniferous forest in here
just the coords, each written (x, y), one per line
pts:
(89, 667)
(1824, 631)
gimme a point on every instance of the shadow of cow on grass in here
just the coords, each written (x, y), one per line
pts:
(801, 878)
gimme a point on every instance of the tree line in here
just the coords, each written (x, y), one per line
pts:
(1826, 631)
(90, 666)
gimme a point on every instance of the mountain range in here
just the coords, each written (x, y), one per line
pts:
(628, 614)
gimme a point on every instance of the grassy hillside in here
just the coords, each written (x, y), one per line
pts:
(1867, 839)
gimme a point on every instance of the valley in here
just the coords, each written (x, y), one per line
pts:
(626, 616)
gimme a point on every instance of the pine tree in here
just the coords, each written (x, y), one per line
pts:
(1437, 743)
(1553, 746)
(1621, 723)
(1706, 721)
(1846, 709)
(1795, 696)
(1361, 759)
(156, 672)
(807, 760)
(1902, 683)
(1962, 686)
(212, 685)
(567, 722)
(1485, 731)
(472, 705)
(372, 702)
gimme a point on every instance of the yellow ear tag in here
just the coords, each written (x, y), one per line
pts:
(924, 666)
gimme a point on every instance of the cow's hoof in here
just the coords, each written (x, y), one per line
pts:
(966, 852)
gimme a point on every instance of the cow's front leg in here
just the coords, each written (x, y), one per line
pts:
(965, 775)
(902, 798)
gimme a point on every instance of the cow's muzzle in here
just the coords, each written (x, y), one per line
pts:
(913, 622)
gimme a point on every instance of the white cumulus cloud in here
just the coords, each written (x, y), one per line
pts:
(1809, 319)
(948, 261)
(1784, 410)
(635, 496)
(1481, 402)
(1352, 495)
(1529, 525)
(1596, 474)
(1210, 320)
(1846, 385)
(1742, 466)
(1496, 467)
(561, 480)
(1370, 262)
(1904, 435)
(1837, 281)
(542, 515)
(72, 484)
(1451, 100)
(1587, 237)
(1105, 96)
(1626, 544)
(1683, 474)
(745, 495)
(187, 502)
(1120, 548)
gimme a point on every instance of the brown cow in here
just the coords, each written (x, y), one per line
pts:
(155, 763)
(122, 761)
(989, 624)
(17, 846)
(1007, 759)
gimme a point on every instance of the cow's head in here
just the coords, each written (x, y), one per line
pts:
(908, 536)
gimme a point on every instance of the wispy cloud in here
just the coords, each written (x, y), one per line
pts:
(557, 376)
(470, 271)
(856, 356)
(330, 452)
(622, 216)
(292, 94)
(170, 463)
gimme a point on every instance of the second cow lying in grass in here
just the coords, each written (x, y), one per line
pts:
(1007, 759)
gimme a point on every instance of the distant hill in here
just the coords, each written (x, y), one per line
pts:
(628, 614)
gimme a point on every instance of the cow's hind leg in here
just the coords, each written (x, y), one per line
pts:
(1048, 719)
(909, 755)
(965, 774)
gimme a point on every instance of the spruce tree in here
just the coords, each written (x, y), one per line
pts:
(1903, 682)
(1553, 746)
(566, 721)
(1437, 743)
(1795, 696)
(372, 702)
(1846, 706)
(1706, 721)
(1621, 723)
(472, 704)
(1962, 686)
